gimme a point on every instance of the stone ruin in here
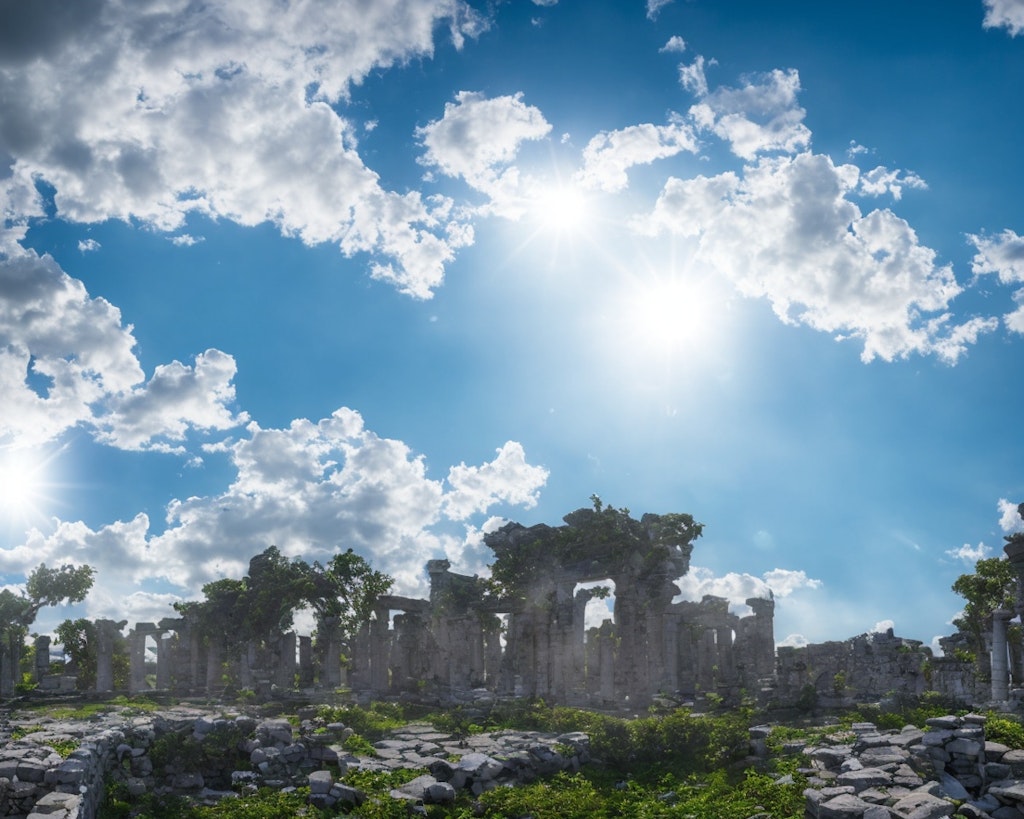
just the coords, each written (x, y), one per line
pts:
(527, 635)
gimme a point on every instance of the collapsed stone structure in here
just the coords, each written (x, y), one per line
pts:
(525, 633)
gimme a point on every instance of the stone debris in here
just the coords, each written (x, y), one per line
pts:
(156, 753)
(947, 770)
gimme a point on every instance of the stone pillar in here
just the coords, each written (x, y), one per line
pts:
(42, 664)
(284, 674)
(106, 631)
(763, 635)
(163, 661)
(137, 656)
(305, 662)
(379, 652)
(10, 656)
(670, 652)
(330, 677)
(606, 653)
(214, 672)
(1000, 664)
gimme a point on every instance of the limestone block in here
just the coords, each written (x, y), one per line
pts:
(965, 747)
(320, 782)
(1008, 792)
(920, 805)
(440, 793)
(844, 806)
(57, 804)
(865, 778)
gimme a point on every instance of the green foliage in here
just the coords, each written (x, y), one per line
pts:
(1006, 730)
(43, 587)
(372, 722)
(992, 585)
(80, 640)
(603, 536)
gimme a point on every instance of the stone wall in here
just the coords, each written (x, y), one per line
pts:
(210, 756)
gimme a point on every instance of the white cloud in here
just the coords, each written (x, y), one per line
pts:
(507, 478)
(675, 44)
(881, 180)
(654, 7)
(134, 111)
(609, 155)
(1009, 517)
(793, 641)
(856, 149)
(786, 231)
(692, 77)
(66, 360)
(1002, 254)
(738, 588)
(1008, 14)
(61, 352)
(309, 489)
(762, 116)
(86, 245)
(177, 398)
(970, 554)
(185, 240)
(882, 626)
(477, 139)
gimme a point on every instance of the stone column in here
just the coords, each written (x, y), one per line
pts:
(137, 656)
(331, 673)
(284, 675)
(106, 630)
(305, 661)
(379, 634)
(163, 660)
(1000, 663)
(42, 665)
(213, 666)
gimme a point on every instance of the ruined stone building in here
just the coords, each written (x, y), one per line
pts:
(526, 632)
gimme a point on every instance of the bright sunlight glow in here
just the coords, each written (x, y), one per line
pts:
(668, 314)
(23, 484)
(560, 208)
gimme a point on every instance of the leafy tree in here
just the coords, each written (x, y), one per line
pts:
(44, 587)
(992, 585)
(345, 591)
(80, 639)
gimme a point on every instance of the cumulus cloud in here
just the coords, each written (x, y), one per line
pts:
(87, 245)
(787, 231)
(147, 111)
(1003, 254)
(309, 488)
(970, 554)
(67, 360)
(882, 626)
(609, 155)
(177, 398)
(1009, 517)
(675, 44)
(478, 138)
(185, 240)
(693, 78)
(654, 7)
(762, 116)
(738, 588)
(508, 478)
(881, 180)
(793, 641)
(1008, 14)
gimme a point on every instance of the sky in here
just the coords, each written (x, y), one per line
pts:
(385, 274)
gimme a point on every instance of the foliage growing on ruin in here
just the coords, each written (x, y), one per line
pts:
(992, 585)
(602, 540)
(262, 605)
(80, 639)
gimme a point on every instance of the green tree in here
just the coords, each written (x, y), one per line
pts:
(80, 639)
(44, 587)
(345, 591)
(992, 585)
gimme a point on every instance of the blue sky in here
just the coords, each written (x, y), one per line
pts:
(322, 276)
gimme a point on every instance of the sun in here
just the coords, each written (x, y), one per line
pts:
(560, 208)
(24, 483)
